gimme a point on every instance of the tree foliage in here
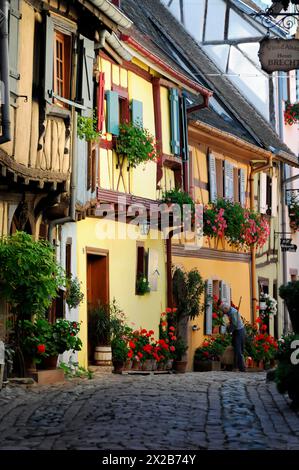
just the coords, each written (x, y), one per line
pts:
(188, 288)
(29, 274)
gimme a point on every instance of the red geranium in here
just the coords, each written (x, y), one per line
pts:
(41, 348)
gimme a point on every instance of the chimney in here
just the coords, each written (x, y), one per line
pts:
(116, 3)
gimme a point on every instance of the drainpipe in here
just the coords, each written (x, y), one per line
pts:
(168, 269)
(72, 210)
(197, 107)
(283, 210)
(4, 67)
(254, 171)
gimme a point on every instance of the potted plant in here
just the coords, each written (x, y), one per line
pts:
(179, 364)
(119, 354)
(241, 227)
(142, 285)
(291, 113)
(99, 333)
(181, 198)
(290, 294)
(74, 296)
(136, 144)
(42, 341)
(287, 373)
(208, 356)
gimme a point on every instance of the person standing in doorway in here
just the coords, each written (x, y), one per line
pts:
(237, 329)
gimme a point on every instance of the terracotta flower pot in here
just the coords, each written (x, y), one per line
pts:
(180, 366)
(161, 366)
(48, 363)
(169, 364)
(136, 365)
(206, 366)
(118, 367)
(128, 364)
(147, 365)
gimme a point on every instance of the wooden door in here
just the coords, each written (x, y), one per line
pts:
(97, 280)
(97, 287)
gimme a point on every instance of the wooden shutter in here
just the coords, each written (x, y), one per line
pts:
(242, 186)
(68, 259)
(49, 60)
(263, 193)
(14, 18)
(175, 121)
(228, 180)
(209, 307)
(274, 196)
(101, 100)
(236, 184)
(87, 58)
(112, 112)
(219, 176)
(89, 166)
(140, 261)
(137, 112)
(225, 298)
(212, 178)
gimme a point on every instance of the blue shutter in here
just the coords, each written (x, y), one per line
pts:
(14, 18)
(112, 112)
(49, 60)
(137, 112)
(175, 121)
(87, 76)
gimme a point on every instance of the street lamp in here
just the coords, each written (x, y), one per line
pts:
(144, 227)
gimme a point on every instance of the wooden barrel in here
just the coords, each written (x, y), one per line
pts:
(103, 356)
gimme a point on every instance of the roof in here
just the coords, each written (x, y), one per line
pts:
(157, 30)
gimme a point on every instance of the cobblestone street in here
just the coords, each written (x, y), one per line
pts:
(219, 410)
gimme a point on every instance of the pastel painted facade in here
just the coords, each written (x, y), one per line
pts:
(110, 253)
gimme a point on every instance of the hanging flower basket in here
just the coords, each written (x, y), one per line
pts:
(136, 144)
(291, 113)
(242, 228)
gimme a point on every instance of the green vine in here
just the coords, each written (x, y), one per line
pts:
(87, 128)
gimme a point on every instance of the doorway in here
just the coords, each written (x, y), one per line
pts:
(97, 286)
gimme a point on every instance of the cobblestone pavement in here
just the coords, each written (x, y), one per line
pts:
(212, 410)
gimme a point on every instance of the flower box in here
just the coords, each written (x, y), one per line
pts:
(206, 366)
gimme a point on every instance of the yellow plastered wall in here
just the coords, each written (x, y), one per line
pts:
(236, 274)
(165, 116)
(105, 67)
(141, 310)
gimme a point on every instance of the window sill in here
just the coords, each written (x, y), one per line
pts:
(171, 161)
(58, 111)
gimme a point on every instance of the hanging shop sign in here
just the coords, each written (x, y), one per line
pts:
(279, 54)
(286, 245)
